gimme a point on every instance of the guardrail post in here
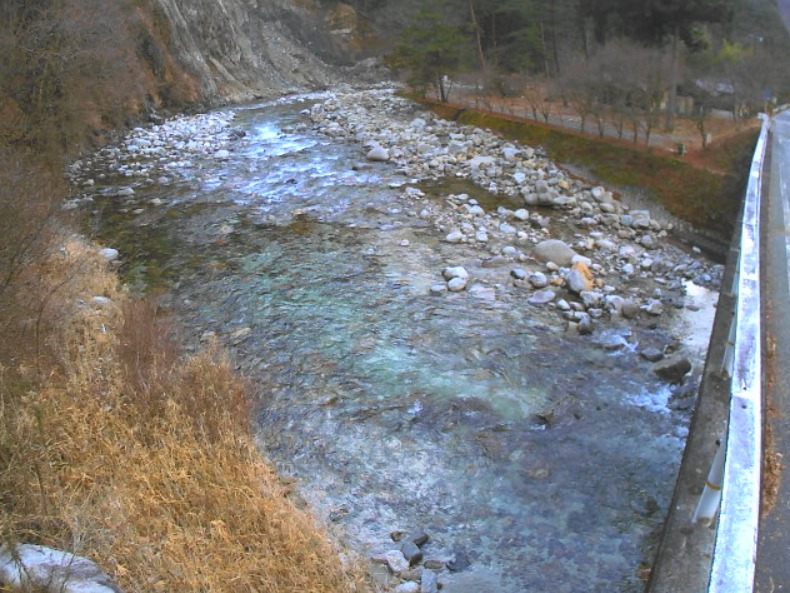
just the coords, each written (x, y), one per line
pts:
(729, 350)
(711, 494)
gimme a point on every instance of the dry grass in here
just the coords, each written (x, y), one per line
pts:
(121, 450)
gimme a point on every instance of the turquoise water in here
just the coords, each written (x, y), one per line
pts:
(534, 457)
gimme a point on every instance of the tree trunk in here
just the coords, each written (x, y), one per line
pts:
(555, 50)
(545, 52)
(480, 56)
(669, 119)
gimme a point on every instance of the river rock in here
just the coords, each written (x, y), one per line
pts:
(455, 237)
(629, 309)
(654, 307)
(378, 153)
(428, 582)
(457, 284)
(585, 324)
(109, 254)
(396, 562)
(580, 278)
(651, 354)
(485, 293)
(611, 342)
(519, 273)
(408, 587)
(648, 242)
(673, 369)
(521, 214)
(479, 161)
(591, 298)
(554, 250)
(542, 297)
(538, 280)
(53, 571)
(452, 272)
(412, 552)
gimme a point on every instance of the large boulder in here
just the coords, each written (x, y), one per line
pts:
(554, 250)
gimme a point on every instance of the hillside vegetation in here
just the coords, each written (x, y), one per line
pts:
(113, 443)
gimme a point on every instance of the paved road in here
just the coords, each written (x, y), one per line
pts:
(773, 558)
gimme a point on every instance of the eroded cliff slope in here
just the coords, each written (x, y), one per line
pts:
(240, 49)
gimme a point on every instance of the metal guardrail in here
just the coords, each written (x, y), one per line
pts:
(735, 550)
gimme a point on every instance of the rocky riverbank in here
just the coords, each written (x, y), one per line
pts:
(444, 328)
(578, 248)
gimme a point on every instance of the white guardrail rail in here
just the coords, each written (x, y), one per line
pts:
(737, 476)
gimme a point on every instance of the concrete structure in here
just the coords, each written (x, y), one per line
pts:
(745, 548)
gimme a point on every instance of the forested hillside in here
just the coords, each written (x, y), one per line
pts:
(726, 54)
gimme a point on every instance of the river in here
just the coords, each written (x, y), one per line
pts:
(536, 458)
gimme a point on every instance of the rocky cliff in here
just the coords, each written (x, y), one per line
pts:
(243, 49)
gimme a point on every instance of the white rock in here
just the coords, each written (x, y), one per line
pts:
(451, 272)
(54, 571)
(109, 254)
(510, 152)
(542, 297)
(396, 562)
(378, 153)
(101, 301)
(481, 161)
(521, 214)
(580, 259)
(408, 587)
(538, 280)
(454, 237)
(456, 284)
(653, 307)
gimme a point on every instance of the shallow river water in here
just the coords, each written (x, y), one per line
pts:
(535, 458)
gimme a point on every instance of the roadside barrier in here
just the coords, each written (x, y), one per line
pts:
(736, 469)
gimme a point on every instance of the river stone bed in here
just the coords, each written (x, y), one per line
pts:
(448, 334)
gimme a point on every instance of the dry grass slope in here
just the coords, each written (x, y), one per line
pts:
(122, 451)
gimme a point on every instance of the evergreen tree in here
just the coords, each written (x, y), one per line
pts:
(436, 45)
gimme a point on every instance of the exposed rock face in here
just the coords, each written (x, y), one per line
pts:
(239, 50)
